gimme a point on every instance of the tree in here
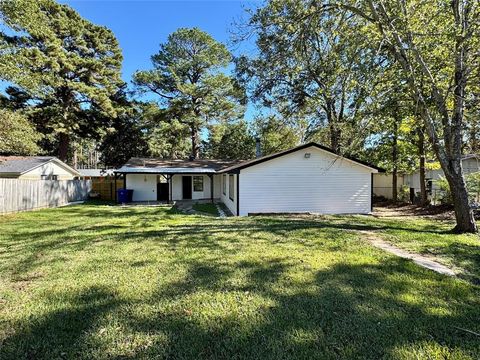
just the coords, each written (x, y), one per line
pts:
(124, 141)
(320, 67)
(17, 135)
(275, 134)
(166, 135)
(434, 44)
(62, 61)
(230, 142)
(188, 77)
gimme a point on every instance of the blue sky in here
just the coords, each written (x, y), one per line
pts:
(140, 26)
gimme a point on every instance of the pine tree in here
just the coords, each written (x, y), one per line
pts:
(65, 63)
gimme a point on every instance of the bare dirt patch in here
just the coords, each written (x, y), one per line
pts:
(437, 212)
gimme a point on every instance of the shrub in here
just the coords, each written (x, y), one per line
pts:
(473, 187)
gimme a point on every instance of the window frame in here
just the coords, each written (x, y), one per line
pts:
(231, 187)
(194, 184)
(224, 180)
(48, 177)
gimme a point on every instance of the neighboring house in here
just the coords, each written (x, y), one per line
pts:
(307, 178)
(36, 168)
(382, 183)
(470, 164)
(93, 174)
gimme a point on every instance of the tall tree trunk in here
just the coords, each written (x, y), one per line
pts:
(463, 215)
(395, 160)
(195, 144)
(334, 130)
(421, 154)
(63, 146)
(404, 49)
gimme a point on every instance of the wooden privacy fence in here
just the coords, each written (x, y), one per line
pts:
(20, 195)
(106, 187)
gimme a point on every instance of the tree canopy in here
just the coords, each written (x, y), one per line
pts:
(189, 78)
(63, 62)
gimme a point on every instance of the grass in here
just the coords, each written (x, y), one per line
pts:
(102, 282)
(206, 208)
(432, 238)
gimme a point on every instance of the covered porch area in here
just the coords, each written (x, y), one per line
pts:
(166, 186)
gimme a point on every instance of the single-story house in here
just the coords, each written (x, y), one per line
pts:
(308, 178)
(382, 183)
(36, 168)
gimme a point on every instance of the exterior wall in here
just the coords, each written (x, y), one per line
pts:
(177, 188)
(471, 165)
(382, 184)
(413, 180)
(322, 183)
(143, 190)
(230, 204)
(147, 190)
(50, 168)
(217, 186)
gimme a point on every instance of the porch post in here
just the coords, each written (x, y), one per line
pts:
(211, 187)
(170, 185)
(115, 177)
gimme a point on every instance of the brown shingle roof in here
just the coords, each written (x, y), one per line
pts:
(151, 163)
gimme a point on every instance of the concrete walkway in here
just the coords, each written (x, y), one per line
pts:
(418, 259)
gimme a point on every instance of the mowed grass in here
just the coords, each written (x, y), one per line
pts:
(103, 282)
(206, 208)
(433, 239)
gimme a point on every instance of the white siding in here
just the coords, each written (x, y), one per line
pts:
(50, 168)
(217, 186)
(177, 192)
(144, 186)
(413, 180)
(322, 183)
(382, 184)
(231, 204)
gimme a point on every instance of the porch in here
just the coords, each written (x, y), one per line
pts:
(168, 187)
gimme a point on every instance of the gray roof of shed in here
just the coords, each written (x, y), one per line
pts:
(22, 164)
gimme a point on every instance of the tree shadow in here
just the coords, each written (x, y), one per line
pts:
(62, 332)
(347, 311)
(361, 311)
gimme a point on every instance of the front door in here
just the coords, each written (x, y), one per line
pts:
(162, 191)
(187, 187)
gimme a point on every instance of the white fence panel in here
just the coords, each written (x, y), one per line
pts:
(20, 195)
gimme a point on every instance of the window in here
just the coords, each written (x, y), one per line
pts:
(198, 183)
(230, 187)
(49, 177)
(224, 178)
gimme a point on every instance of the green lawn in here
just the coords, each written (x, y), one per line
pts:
(206, 208)
(102, 282)
(432, 238)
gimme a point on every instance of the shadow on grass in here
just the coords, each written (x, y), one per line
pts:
(152, 224)
(346, 311)
(63, 332)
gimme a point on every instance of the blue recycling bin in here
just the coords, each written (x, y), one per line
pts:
(122, 196)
